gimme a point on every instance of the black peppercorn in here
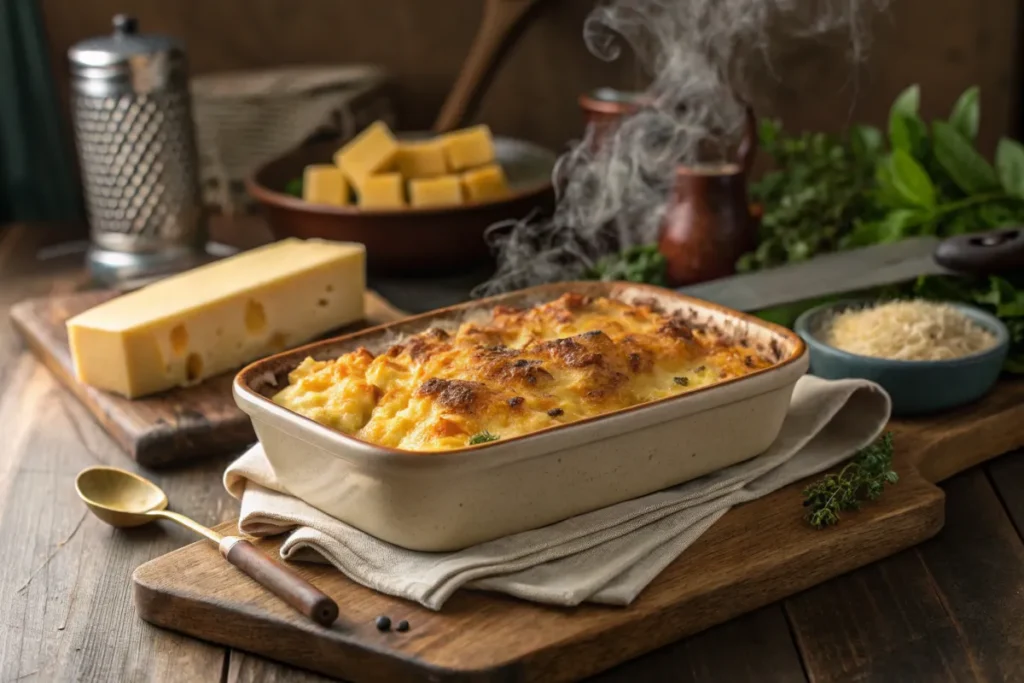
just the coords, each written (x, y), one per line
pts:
(383, 623)
(681, 381)
(555, 412)
(403, 626)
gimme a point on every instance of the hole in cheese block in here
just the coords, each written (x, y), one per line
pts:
(193, 367)
(443, 191)
(421, 159)
(484, 184)
(179, 340)
(278, 341)
(382, 191)
(255, 317)
(468, 148)
(372, 151)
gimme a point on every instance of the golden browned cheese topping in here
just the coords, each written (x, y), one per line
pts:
(522, 371)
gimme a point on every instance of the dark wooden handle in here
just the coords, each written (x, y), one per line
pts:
(500, 16)
(983, 253)
(280, 580)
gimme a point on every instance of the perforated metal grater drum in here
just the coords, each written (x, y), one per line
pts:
(137, 151)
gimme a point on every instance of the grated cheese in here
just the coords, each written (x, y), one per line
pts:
(907, 330)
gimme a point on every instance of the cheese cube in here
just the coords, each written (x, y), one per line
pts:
(443, 191)
(324, 184)
(382, 191)
(485, 184)
(468, 148)
(422, 159)
(372, 151)
(218, 317)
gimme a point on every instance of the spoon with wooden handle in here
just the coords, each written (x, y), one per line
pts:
(500, 17)
(123, 499)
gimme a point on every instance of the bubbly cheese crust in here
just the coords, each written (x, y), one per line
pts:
(523, 370)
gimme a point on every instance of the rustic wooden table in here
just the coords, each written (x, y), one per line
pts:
(948, 610)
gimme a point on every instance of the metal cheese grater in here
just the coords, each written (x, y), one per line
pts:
(136, 145)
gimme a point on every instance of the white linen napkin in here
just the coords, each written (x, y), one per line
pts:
(606, 556)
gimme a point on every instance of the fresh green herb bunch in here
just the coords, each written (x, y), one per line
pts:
(637, 264)
(863, 478)
(821, 188)
(933, 180)
(864, 188)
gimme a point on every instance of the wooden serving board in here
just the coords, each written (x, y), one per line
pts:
(167, 428)
(757, 554)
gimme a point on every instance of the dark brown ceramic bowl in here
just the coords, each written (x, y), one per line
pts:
(410, 241)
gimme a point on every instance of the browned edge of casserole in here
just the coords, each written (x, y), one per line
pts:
(786, 347)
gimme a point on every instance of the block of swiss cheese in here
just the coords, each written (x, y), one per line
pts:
(218, 317)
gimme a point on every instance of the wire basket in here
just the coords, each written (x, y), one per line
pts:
(243, 119)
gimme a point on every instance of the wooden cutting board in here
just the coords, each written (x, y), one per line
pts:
(757, 554)
(167, 428)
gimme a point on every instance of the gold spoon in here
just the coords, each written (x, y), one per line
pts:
(123, 499)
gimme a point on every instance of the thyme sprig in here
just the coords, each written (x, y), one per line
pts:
(863, 478)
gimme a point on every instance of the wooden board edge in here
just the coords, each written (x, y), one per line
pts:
(392, 313)
(24, 327)
(944, 456)
(148, 452)
(157, 454)
(785, 580)
(902, 531)
(205, 623)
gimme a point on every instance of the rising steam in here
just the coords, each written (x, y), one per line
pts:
(702, 58)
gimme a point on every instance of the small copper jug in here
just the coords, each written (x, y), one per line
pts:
(708, 224)
(604, 108)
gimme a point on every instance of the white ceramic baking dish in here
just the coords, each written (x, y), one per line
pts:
(454, 499)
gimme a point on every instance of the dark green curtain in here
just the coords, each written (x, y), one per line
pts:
(38, 181)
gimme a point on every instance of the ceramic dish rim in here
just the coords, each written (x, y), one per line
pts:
(264, 194)
(240, 386)
(978, 315)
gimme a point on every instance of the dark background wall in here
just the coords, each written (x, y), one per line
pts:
(945, 45)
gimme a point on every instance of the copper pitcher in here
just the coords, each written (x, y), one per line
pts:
(709, 223)
(603, 108)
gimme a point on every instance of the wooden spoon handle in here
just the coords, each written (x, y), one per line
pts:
(280, 580)
(499, 18)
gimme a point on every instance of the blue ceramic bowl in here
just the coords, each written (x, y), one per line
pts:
(916, 387)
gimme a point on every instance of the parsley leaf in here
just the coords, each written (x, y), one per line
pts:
(482, 437)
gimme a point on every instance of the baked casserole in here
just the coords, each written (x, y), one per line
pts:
(515, 372)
